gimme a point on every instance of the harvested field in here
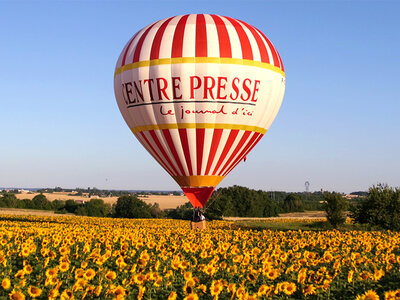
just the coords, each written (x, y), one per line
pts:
(165, 202)
(295, 215)
(29, 212)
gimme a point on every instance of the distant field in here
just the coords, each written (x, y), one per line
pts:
(165, 202)
(29, 212)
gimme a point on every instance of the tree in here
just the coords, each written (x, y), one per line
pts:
(239, 201)
(292, 202)
(380, 208)
(70, 206)
(40, 202)
(97, 208)
(131, 207)
(9, 200)
(156, 211)
(335, 208)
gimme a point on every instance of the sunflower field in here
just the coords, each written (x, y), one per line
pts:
(103, 258)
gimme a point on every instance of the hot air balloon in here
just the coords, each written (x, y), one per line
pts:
(199, 91)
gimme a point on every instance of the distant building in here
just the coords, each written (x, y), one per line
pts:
(349, 197)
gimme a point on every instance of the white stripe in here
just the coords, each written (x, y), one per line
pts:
(191, 136)
(228, 161)
(152, 142)
(179, 150)
(254, 47)
(232, 148)
(247, 143)
(148, 41)
(132, 48)
(236, 47)
(212, 37)
(230, 164)
(208, 134)
(271, 58)
(189, 37)
(168, 38)
(221, 145)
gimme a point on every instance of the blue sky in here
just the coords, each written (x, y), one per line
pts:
(338, 127)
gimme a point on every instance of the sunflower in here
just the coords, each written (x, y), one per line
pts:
(142, 289)
(6, 283)
(309, 290)
(231, 288)
(378, 274)
(51, 272)
(97, 290)
(64, 266)
(16, 295)
(370, 295)
(79, 284)
(187, 289)
(262, 290)
(119, 292)
(272, 274)
(25, 252)
(350, 276)
(390, 295)
(89, 274)
(172, 296)
(34, 291)
(191, 296)
(251, 277)
(27, 269)
(139, 278)
(187, 276)
(158, 282)
(20, 274)
(67, 295)
(289, 288)
(53, 294)
(110, 275)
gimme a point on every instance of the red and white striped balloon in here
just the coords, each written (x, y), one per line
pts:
(199, 91)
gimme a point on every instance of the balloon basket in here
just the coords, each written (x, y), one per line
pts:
(198, 225)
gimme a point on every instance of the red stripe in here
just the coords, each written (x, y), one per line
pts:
(201, 36)
(228, 145)
(177, 43)
(168, 138)
(199, 147)
(214, 146)
(156, 155)
(280, 60)
(272, 48)
(239, 146)
(247, 52)
(254, 140)
(155, 138)
(155, 47)
(223, 37)
(139, 45)
(186, 151)
(261, 46)
(127, 50)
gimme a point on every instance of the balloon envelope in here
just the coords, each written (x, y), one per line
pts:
(199, 92)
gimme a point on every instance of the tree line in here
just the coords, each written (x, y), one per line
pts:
(379, 208)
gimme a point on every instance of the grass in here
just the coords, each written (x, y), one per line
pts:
(286, 225)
